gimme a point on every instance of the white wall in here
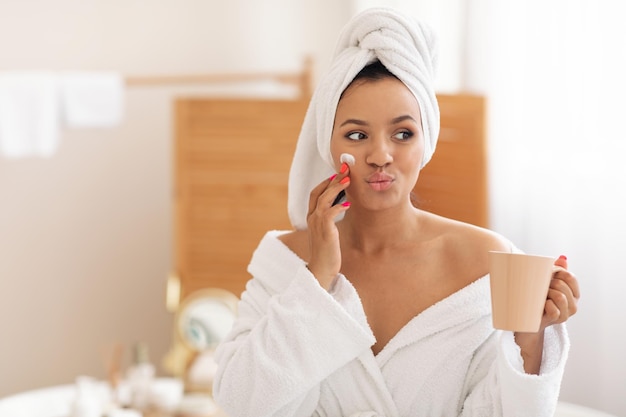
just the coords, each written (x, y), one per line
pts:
(86, 236)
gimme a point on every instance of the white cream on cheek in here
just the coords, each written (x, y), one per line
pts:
(347, 158)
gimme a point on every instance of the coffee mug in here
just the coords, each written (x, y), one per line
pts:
(519, 289)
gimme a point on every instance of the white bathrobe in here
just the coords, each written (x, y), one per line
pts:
(299, 350)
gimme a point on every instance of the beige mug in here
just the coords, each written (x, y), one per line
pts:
(519, 288)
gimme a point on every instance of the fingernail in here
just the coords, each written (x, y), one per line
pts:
(346, 204)
(344, 180)
(332, 177)
(344, 168)
(563, 257)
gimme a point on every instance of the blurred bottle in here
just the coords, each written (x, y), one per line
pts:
(87, 402)
(140, 376)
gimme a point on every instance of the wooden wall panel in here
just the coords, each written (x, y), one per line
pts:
(232, 163)
(454, 183)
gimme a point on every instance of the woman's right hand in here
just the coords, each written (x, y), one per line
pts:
(325, 253)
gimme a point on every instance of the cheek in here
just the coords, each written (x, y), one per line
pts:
(412, 161)
(417, 153)
(336, 150)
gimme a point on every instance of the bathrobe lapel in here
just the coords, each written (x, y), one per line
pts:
(455, 310)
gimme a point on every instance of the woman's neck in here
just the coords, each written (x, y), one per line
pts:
(368, 232)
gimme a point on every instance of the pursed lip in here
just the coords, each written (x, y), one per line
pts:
(380, 181)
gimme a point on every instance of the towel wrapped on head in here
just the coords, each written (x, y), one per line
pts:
(406, 48)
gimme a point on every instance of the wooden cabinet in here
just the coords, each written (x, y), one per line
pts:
(454, 183)
(232, 160)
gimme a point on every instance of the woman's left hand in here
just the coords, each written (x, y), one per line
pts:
(561, 304)
(563, 295)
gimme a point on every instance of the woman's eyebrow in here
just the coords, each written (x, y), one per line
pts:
(395, 120)
(354, 122)
(403, 118)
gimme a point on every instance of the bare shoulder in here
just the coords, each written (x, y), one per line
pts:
(469, 237)
(465, 247)
(482, 239)
(298, 242)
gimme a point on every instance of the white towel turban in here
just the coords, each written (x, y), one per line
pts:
(406, 48)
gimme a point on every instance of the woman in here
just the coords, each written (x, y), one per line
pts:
(372, 307)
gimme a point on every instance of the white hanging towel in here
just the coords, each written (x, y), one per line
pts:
(29, 114)
(92, 99)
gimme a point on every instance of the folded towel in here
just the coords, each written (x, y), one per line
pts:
(92, 99)
(405, 47)
(29, 114)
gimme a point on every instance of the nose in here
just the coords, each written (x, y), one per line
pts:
(379, 152)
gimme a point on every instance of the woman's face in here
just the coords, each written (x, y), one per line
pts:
(378, 122)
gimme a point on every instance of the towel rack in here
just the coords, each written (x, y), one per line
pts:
(303, 79)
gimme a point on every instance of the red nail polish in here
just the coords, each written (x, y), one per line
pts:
(346, 204)
(332, 177)
(344, 168)
(344, 180)
(563, 257)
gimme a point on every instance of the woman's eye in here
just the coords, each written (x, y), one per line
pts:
(404, 135)
(355, 136)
